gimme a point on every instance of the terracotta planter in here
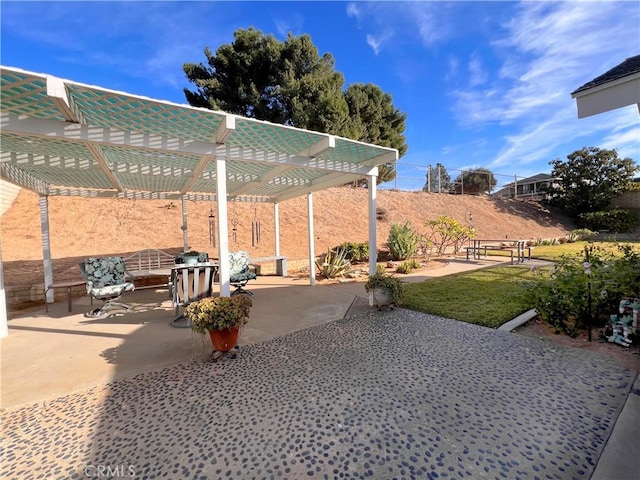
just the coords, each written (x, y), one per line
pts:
(224, 340)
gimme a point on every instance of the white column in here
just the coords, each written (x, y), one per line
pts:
(373, 247)
(223, 228)
(46, 245)
(4, 328)
(312, 255)
(185, 230)
(276, 221)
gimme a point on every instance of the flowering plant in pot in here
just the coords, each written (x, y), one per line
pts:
(221, 317)
(191, 257)
(386, 289)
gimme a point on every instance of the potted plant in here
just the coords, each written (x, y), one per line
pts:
(222, 317)
(191, 257)
(387, 289)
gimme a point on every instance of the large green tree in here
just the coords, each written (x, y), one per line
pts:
(475, 182)
(289, 83)
(589, 179)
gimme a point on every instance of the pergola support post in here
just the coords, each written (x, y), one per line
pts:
(312, 255)
(4, 326)
(223, 228)
(373, 247)
(185, 229)
(276, 220)
(43, 202)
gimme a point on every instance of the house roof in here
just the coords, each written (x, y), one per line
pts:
(617, 88)
(629, 67)
(540, 177)
(60, 137)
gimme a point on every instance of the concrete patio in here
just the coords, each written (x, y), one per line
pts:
(323, 387)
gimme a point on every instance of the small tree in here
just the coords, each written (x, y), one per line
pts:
(475, 182)
(438, 179)
(446, 232)
(589, 180)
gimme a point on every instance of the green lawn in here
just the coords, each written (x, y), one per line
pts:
(489, 296)
(553, 252)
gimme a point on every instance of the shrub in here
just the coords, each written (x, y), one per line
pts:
(604, 277)
(386, 282)
(355, 252)
(335, 264)
(381, 214)
(408, 266)
(403, 241)
(616, 220)
(448, 232)
(581, 234)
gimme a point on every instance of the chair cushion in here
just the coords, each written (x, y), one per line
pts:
(104, 271)
(238, 263)
(111, 291)
(242, 276)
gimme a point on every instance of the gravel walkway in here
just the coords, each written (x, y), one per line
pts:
(379, 395)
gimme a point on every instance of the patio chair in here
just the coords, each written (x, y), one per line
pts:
(240, 272)
(190, 284)
(106, 279)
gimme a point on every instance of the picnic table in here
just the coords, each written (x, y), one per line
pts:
(518, 249)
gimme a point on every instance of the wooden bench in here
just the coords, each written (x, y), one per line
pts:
(281, 264)
(150, 264)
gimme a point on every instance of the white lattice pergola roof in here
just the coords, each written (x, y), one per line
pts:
(59, 137)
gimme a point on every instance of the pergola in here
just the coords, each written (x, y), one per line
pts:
(59, 137)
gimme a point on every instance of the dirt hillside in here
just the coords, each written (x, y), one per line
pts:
(82, 227)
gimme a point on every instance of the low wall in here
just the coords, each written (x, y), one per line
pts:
(628, 200)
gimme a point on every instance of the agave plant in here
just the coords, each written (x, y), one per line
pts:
(335, 264)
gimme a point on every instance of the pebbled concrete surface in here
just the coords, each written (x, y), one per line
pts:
(383, 395)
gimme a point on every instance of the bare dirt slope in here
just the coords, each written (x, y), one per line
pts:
(83, 227)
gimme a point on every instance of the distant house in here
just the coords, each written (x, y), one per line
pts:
(526, 189)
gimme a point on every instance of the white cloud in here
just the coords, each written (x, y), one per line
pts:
(433, 20)
(549, 50)
(353, 11)
(477, 74)
(156, 51)
(293, 24)
(376, 41)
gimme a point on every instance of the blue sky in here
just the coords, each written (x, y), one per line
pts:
(483, 84)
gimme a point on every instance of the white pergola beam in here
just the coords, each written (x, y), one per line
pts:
(225, 129)
(58, 93)
(195, 175)
(328, 181)
(273, 173)
(157, 144)
(321, 147)
(104, 165)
